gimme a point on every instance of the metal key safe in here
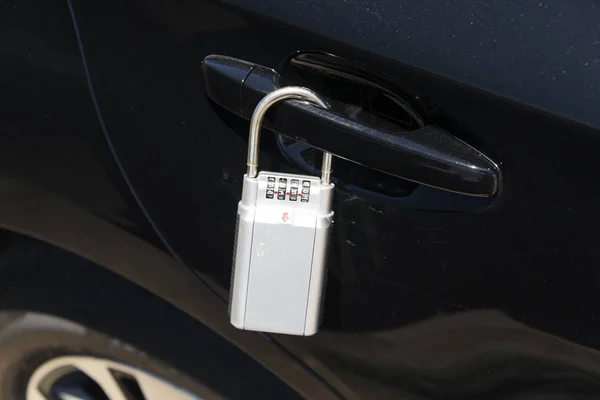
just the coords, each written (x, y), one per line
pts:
(282, 235)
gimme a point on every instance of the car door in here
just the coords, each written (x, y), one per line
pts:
(431, 293)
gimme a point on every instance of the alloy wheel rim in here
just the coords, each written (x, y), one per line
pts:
(92, 378)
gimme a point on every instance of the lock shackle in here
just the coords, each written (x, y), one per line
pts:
(285, 93)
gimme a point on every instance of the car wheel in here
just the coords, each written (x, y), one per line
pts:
(43, 357)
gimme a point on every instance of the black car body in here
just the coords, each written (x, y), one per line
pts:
(112, 152)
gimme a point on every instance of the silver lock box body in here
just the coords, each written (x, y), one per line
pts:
(282, 234)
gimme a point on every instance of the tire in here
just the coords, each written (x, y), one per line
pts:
(30, 340)
(54, 304)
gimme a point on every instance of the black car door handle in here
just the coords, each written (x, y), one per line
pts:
(429, 156)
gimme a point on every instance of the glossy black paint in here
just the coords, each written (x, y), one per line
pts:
(50, 135)
(427, 155)
(541, 54)
(497, 301)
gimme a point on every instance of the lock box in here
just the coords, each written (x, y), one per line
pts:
(281, 241)
(283, 230)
